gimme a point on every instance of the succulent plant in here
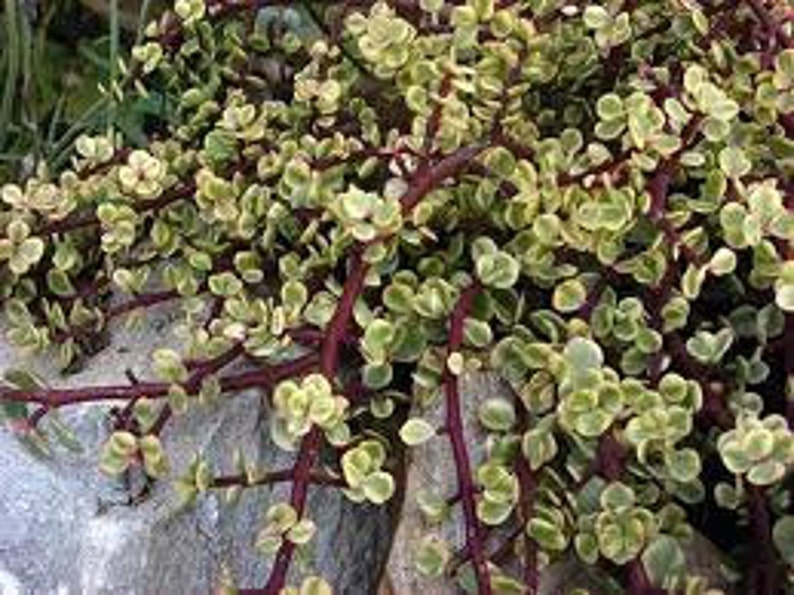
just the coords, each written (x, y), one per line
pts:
(365, 201)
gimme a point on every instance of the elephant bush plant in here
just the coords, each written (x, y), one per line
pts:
(356, 203)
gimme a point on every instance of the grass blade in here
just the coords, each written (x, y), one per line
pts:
(12, 68)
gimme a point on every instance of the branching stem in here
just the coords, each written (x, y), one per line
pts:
(300, 474)
(264, 377)
(454, 424)
(763, 575)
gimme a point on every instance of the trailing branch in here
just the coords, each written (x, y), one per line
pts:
(273, 477)
(763, 579)
(264, 377)
(454, 425)
(300, 474)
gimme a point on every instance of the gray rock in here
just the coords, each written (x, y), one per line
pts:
(431, 468)
(65, 528)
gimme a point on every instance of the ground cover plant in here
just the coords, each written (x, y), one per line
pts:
(358, 202)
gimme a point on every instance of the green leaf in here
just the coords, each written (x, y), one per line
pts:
(500, 161)
(675, 314)
(683, 465)
(784, 297)
(673, 387)
(493, 513)
(497, 415)
(431, 5)
(477, 333)
(202, 476)
(569, 296)
(586, 547)
(723, 262)
(357, 205)
(648, 341)
(281, 516)
(546, 534)
(59, 283)
(225, 284)
(112, 465)
(692, 281)
(663, 558)
(399, 298)
(294, 294)
(123, 443)
(267, 542)
(617, 495)
(168, 365)
(726, 496)
(302, 532)
(22, 379)
(734, 163)
(378, 487)
(315, 585)
(766, 473)
(417, 99)
(377, 376)
(783, 532)
(177, 398)
(484, 9)
(596, 17)
(583, 354)
(539, 447)
(609, 107)
(378, 335)
(784, 69)
(416, 431)
(433, 506)
(220, 146)
(506, 585)
(758, 443)
(498, 270)
(431, 557)
(709, 347)
(734, 457)
(65, 435)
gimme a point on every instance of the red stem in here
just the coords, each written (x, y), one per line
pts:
(528, 486)
(593, 297)
(763, 575)
(611, 456)
(58, 397)
(425, 180)
(763, 15)
(454, 424)
(201, 370)
(271, 477)
(638, 581)
(310, 446)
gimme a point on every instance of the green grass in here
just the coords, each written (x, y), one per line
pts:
(56, 84)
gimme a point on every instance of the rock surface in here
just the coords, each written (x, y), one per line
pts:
(66, 529)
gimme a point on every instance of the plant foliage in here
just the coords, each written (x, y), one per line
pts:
(360, 202)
